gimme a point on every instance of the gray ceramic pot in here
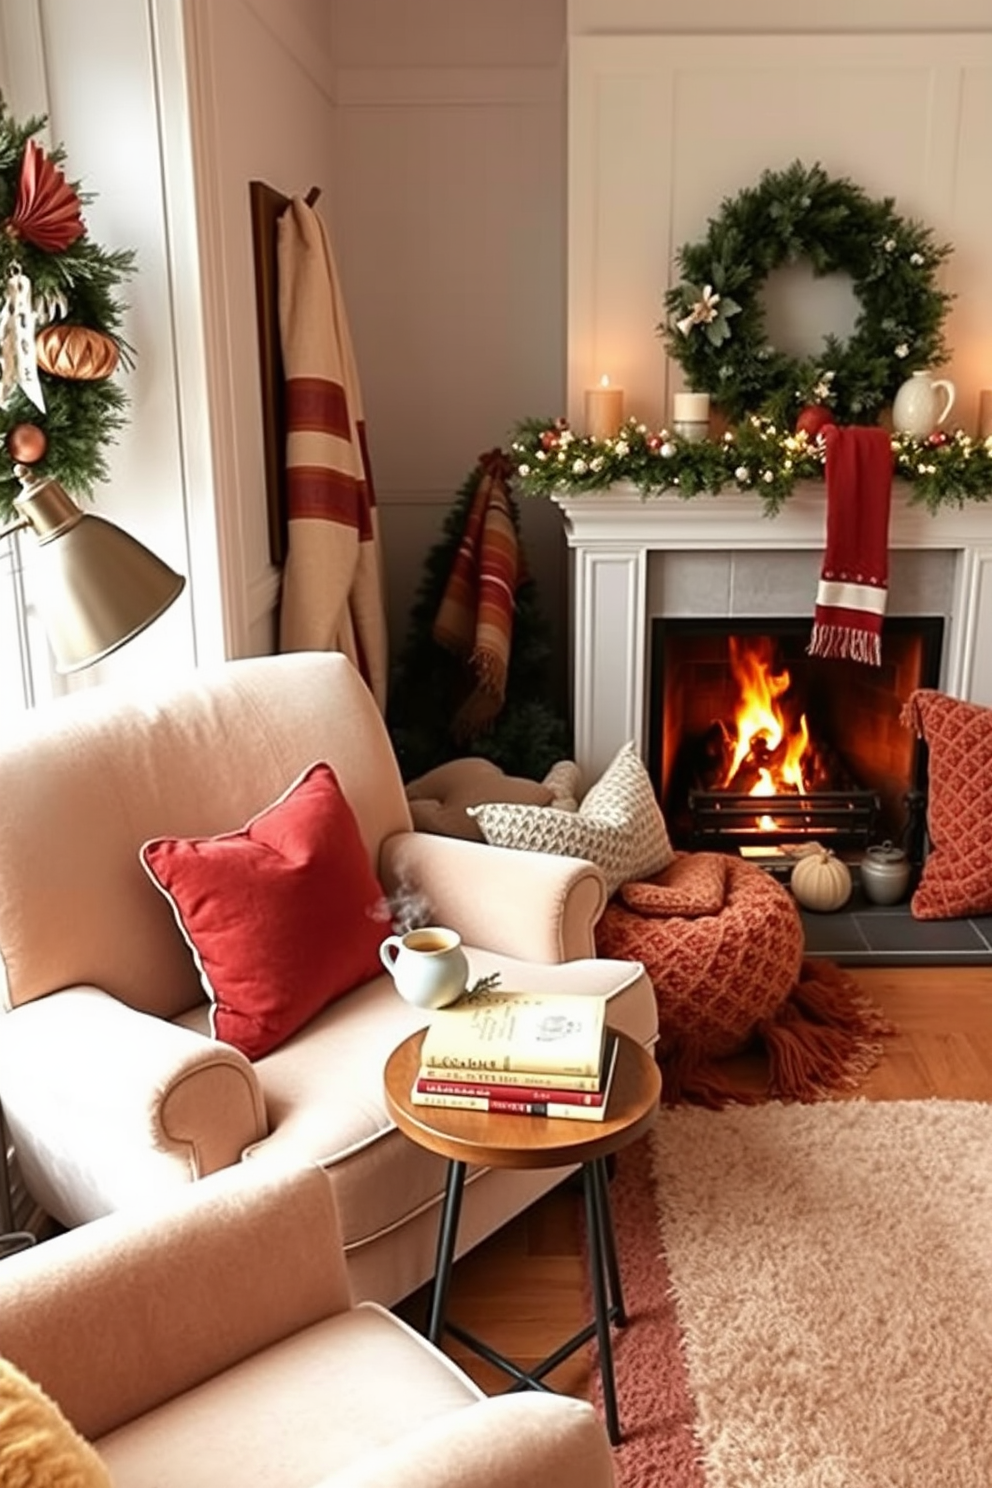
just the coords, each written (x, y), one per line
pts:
(885, 874)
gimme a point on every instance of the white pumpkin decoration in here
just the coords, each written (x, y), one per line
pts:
(821, 881)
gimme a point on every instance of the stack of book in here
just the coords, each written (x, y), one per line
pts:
(519, 1053)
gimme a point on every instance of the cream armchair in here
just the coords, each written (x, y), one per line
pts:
(210, 1340)
(114, 1090)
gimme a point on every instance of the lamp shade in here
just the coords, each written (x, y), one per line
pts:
(94, 585)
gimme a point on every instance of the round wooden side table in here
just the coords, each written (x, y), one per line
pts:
(506, 1141)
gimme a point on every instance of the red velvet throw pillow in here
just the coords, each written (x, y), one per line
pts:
(281, 916)
(957, 874)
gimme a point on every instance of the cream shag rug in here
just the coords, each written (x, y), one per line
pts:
(829, 1272)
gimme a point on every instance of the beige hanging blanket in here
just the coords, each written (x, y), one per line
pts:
(332, 591)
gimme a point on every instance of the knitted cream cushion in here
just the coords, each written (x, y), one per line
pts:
(618, 826)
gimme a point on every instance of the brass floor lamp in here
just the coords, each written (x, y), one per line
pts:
(95, 588)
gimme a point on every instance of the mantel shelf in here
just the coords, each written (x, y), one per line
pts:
(621, 514)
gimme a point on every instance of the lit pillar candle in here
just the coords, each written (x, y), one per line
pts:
(604, 410)
(985, 413)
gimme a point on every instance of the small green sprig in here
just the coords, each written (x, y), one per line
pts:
(483, 984)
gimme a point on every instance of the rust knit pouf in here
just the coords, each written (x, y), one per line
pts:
(722, 942)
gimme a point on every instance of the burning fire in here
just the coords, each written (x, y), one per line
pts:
(766, 749)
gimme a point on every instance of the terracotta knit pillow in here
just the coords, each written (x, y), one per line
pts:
(694, 885)
(957, 874)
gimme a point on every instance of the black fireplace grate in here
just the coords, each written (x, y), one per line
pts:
(844, 820)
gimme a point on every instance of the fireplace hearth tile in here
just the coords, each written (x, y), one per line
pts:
(865, 934)
(835, 935)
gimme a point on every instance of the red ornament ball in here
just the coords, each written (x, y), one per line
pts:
(26, 443)
(814, 418)
(654, 442)
(938, 438)
(549, 439)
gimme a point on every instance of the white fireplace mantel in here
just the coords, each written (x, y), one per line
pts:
(612, 534)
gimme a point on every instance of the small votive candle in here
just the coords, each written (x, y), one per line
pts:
(691, 415)
(985, 413)
(604, 410)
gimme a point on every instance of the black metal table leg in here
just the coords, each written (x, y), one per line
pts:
(617, 1310)
(596, 1225)
(447, 1236)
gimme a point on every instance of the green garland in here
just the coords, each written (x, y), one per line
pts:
(757, 456)
(80, 417)
(715, 325)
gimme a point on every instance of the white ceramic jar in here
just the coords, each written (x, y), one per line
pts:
(917, 409)
(885, 874)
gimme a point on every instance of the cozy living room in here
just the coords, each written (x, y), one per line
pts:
(496, 722)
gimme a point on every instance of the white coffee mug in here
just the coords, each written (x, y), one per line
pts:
(429, 967)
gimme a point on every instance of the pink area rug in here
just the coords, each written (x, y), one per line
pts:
(810, 1297)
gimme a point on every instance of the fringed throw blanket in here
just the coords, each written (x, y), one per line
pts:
(722, 943)
(850, 599)
(332, 594)
(475, 616)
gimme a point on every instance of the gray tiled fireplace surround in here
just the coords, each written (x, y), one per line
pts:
(722, 584)
(753, 584)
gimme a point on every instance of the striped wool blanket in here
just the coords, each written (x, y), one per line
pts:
(475, 617)
(332, 590)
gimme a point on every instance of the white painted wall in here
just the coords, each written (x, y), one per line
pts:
(905, 116)
(260, 106)
(449, 222)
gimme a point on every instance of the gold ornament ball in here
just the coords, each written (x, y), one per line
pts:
(26, 443)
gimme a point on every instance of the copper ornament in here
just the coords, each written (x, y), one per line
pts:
(26, 443)
(76, 352)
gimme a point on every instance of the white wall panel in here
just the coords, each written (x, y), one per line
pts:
(702, 117)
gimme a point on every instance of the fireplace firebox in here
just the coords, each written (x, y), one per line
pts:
(755, 746)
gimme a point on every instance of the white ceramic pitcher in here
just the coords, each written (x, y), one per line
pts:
(916, 409)
(429, 967)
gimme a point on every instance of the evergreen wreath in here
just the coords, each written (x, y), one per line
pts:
(715, 326)
(58, 310)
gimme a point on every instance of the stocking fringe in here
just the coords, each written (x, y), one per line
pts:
(841, 642)
(825, 1038)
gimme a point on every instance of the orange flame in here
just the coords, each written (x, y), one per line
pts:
(762, 735)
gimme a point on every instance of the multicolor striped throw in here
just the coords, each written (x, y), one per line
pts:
(332, 580)
(475, 616)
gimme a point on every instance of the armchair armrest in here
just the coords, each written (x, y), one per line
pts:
(534, 906)
(114, 1318)
(513, 1440)
(106, 1104)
